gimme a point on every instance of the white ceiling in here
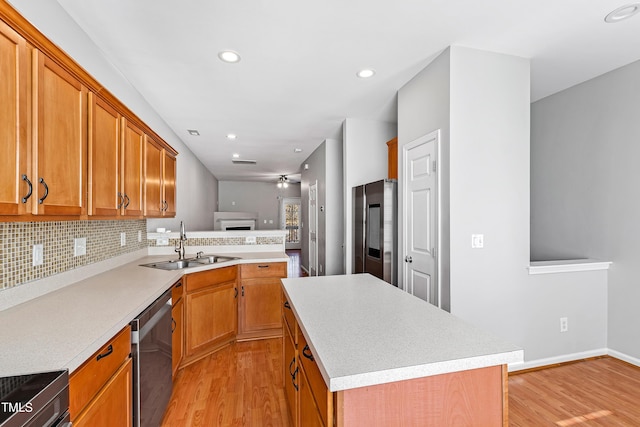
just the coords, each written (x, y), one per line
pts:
(296, 81)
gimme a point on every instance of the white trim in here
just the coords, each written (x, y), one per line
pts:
(567, 266)
(625, 357)
(514, 367)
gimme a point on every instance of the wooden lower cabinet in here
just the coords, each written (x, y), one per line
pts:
(100, 391)
(290, 374)
(210, 311)
(309, 413)
(260, 303)
(112, 405)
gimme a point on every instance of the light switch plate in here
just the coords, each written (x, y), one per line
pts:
(139, 236)
(123, 238)
(79, 246)
(477, 241)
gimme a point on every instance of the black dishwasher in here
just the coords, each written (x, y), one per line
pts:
(151, 353)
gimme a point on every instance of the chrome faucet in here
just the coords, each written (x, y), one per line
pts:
(180, 246)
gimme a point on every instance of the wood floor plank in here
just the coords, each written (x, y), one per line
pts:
(242, 385)
(600, 392)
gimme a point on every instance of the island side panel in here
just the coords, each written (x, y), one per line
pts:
(473, 398)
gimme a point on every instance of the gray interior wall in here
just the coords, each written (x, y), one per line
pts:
(585, 176)
(324, 165)
(423, 107)
(480, 101)
(196, 186)
(260, 197)
(362, 139)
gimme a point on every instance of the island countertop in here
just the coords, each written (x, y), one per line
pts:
(363, 331)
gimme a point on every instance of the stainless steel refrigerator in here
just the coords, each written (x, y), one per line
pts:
(375, 231)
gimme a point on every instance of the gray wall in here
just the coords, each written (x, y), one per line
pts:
(325, 166)
(364, 151)
(260, 197)
(196, 186)
(584, 189)
(480, 101)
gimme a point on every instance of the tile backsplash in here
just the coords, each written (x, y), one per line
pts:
(103, 242)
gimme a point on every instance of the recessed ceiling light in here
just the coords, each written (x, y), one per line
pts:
(193, 132)
(366, 73)
(232, 136)
(297, 150)
(622, 13)
(229, 56)
(236, 155)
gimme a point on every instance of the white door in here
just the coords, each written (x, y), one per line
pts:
(313, 229)
(290, 221)
(420, 196)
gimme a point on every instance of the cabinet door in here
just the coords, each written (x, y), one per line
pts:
(211, 318)
(290, 374)
(60, 124)
(169, 185)
(13, 123)
(105, 197)
(153, 158)
(177, 312)
(309, 414)
(132, 169)
(113, 404)
(260, 305)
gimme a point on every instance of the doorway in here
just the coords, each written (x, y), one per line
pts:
(290, 219)
(420, 217)
(313, 229)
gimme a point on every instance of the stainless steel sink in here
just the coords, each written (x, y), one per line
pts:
(180, 264)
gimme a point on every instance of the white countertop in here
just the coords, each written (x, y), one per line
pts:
(363, 331)
(61, 329)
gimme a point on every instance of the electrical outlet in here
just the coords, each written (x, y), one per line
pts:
(250, 240)
(123, 238)
(79, 246)
(38, 255)
(564, 324)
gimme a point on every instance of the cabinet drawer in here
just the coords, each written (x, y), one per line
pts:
(290, 318)
(265, 269)
(86, 381)
(316, 382)
(202, 279)
(176, 292)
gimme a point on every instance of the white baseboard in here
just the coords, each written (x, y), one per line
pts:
(625, 357)
(558, 359)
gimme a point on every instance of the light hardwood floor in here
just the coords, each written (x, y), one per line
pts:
(241, 385)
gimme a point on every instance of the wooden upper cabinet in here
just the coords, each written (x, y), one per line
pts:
(153, 159)
(169, 185)
(392, 158)
(105, 197)
(132, 169)
(60, 139)
(14, 147)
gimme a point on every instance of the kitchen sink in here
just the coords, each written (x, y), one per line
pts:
(180, 264)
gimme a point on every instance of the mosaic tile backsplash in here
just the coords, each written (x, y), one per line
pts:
(103, 242)
(222, 241)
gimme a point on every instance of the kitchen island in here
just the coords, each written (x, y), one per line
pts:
(389, 358)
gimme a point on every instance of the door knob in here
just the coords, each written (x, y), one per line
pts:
(408, 259)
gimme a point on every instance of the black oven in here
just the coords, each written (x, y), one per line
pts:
(36, 400)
